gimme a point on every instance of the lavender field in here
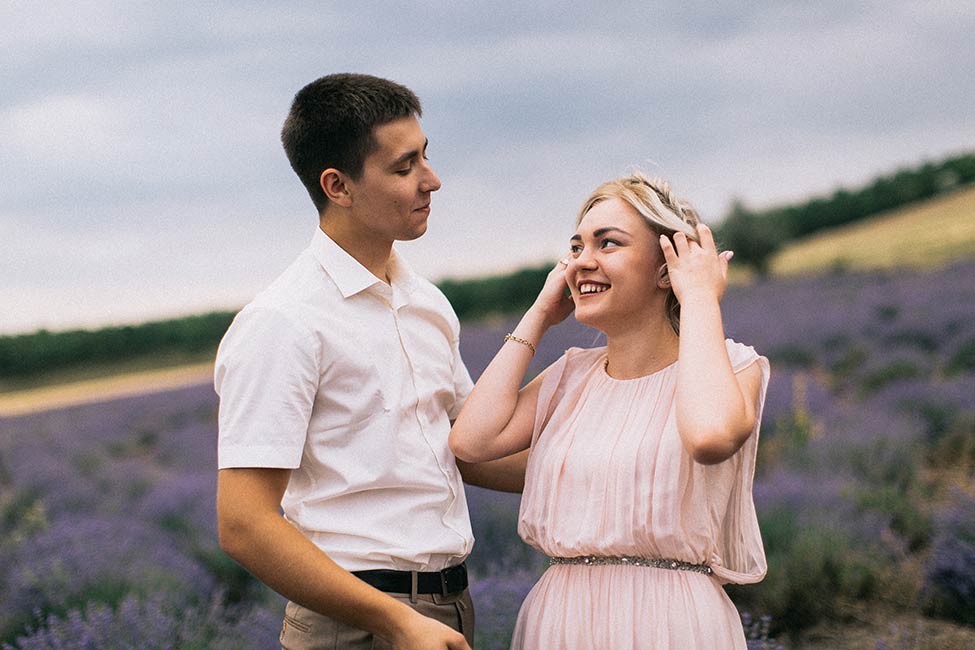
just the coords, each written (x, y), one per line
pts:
(865, 487)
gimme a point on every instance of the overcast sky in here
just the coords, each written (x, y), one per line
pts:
(141, 174)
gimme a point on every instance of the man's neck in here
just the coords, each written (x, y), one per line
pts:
(368, 250)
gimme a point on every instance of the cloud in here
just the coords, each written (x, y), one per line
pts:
(142, 167)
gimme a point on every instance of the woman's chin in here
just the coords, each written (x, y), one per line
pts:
(590, 318)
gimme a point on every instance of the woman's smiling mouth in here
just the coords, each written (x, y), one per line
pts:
(586, 288)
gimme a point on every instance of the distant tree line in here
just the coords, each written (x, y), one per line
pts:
(499, 294)
(755, 235)
(26, 355)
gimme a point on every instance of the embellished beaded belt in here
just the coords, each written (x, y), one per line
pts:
(628, 560)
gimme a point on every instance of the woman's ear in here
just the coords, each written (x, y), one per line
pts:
(663, 278)
(335, 184)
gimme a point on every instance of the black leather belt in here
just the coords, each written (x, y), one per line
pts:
(446, 582)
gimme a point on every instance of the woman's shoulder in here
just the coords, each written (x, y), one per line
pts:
(584, 358)
(740, 354)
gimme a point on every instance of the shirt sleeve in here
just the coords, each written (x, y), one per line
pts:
(266, 375)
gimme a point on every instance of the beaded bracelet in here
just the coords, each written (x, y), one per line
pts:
(512, 337)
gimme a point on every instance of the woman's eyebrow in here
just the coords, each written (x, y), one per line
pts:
(599, 232)
(602, 231)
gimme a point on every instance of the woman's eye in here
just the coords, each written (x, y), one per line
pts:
(575, 249)
(610, 242)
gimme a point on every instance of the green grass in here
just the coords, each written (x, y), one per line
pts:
(926, 235)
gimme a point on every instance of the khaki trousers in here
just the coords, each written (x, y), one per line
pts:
(304, 629)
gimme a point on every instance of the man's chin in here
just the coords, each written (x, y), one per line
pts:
(415, 233)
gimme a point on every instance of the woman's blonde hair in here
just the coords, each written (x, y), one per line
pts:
(663, 211)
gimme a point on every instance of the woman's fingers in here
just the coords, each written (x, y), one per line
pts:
(723, 260)
(681, 244)
(668, 248)
(707, 237)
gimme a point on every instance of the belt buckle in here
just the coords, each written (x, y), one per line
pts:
(452, 579)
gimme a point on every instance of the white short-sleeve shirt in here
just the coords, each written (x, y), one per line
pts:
(351, 383)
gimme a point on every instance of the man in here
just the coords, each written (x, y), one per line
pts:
(337, 386)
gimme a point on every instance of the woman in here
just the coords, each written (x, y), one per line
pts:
(642, 452)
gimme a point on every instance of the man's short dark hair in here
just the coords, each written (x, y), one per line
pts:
(331, 124)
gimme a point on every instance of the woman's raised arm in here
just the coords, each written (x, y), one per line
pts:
(497, 417)
(715, 407)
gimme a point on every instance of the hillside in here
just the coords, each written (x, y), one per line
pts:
(926, 235)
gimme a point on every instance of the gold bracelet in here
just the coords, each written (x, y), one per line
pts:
(512, 337)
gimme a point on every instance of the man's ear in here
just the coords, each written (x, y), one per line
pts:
(663, 278)
(335, 184)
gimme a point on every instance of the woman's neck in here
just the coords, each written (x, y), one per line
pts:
(640, 351)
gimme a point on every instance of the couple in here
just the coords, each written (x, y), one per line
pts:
(340, 384)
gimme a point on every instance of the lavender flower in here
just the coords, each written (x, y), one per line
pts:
(84, 559)
(154, 624)
(497, 600)
(949, 582)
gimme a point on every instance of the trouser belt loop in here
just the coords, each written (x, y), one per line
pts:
(413, 586)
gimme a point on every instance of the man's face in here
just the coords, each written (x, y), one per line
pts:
(391, 198)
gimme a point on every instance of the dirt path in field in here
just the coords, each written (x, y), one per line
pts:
(33, 400)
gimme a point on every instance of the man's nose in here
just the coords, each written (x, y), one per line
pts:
(431, 182)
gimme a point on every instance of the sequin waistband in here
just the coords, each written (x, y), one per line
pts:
(629, 560)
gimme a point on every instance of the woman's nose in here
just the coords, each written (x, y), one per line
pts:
(584, 259)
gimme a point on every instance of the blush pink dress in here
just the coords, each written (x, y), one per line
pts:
(608, 476)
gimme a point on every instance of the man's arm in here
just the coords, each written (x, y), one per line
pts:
(505, 474)
(253, 532)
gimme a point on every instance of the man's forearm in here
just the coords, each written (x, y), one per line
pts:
(253, 532)
(505, 474)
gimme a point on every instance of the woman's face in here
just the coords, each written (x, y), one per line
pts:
(613, 267)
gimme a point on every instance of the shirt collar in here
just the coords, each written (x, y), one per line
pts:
(402, 279)
(351, 277)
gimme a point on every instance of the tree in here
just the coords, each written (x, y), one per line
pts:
(752, 237)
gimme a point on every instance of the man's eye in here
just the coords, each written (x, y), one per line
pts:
(404, 172)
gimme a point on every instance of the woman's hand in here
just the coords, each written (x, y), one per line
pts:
(553, 303)
(695, 269)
